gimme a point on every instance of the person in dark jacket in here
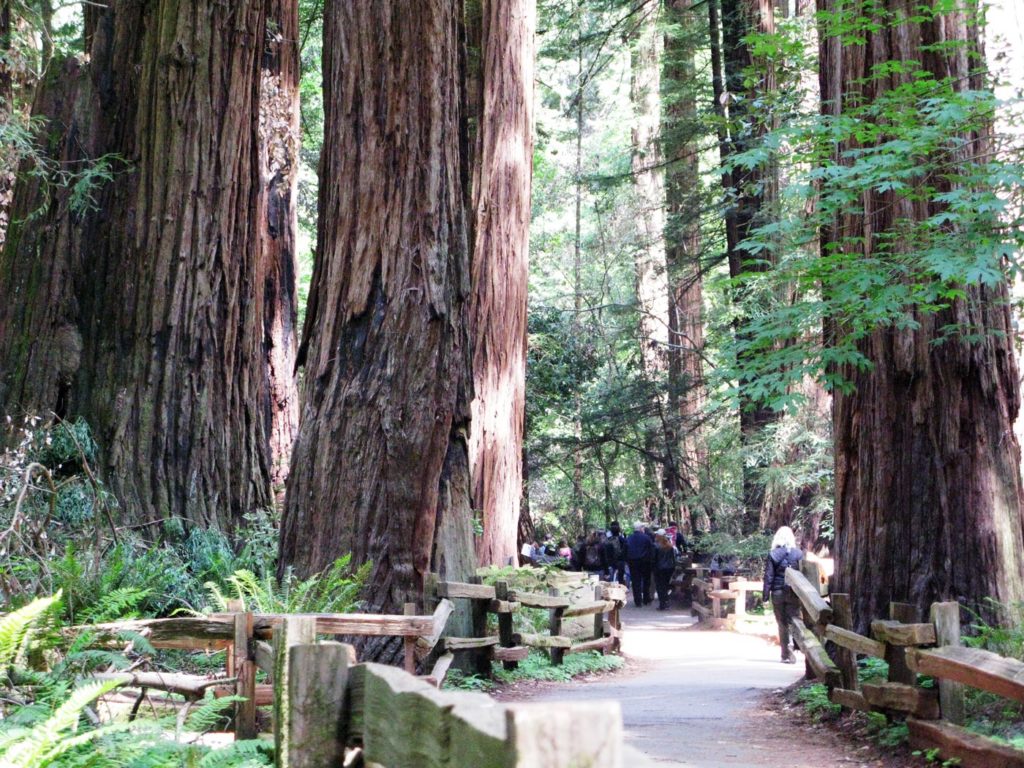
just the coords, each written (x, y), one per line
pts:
(640, 555)
(785, 603)
(664, 566)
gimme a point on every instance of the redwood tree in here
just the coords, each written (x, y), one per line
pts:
(928, 489)
(381, 466)
(502, 167)
(143, 308)
(750, 189)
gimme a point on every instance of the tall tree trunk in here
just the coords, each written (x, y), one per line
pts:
(278, 223)
(752, 192)
(7, 169)
(684, 201)
(501, 202)
(151, 325)
(928, 488)
(381, 466)
(649, 189)
(577, 272)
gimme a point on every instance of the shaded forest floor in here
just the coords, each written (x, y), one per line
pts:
(709, 699)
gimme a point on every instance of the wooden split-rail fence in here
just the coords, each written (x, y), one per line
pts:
(324, 702)
(510, 647)
(911, 647)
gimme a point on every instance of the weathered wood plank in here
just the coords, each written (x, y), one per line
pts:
(898, 633)
(502, 606)
(919, 702)
(971, 666)
(703, 611)
(505, 628)
(469, 643)
(946, 618)
(535, 600)
(895, 655)
(317, 678)
(290, 633)
(616, 592)
(425, 644)
(264, 656)
(849, 699)
(566, 734)
(588, 608)
(440, 670)
(600, 644)
(185, 632)
(385, 625)
(511, 654)
(819, 611)
(245, 671)
(954, 742)
(478, 735)
(823, 667)
(557, 652)
(854, 642)
(456, 589)
(542, 641)
(845, 658)
(723, 594)
(189, 686)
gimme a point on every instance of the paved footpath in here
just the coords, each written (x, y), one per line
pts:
(696, 698)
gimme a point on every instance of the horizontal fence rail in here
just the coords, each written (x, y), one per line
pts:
(911, 647)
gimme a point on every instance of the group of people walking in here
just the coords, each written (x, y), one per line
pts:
(644, 560)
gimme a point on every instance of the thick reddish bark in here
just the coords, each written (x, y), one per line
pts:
(153, 327)
(928, 489)
(501, 202)
(684, 203)
(381, 467)
(278, 223)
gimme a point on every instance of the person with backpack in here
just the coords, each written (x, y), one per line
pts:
(640, 556)
(593, 554)
(615, 553)
(664, 566)
(785, 604)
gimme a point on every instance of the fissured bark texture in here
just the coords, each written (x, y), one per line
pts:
(381, 467)
(503, 164)
(928, 490)
(166, 297)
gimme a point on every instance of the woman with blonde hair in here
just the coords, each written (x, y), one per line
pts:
(785, 604)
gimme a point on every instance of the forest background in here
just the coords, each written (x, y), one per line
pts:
(696, 296)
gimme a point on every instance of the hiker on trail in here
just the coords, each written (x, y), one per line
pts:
(639, 554)
(785, 603)
(664, 566)
(615, 553)
(593, 554)
(675, 534)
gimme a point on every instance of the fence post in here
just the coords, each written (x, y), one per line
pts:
(846, 660)
(293, 631)
(946, 617)
(716, 602)
(555, 628)
(504, 623)
(899, 672)
(599, 617)
(409, 609)
(245, 672)
(478, 611)
(314, 700)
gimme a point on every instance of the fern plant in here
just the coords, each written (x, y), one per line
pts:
(334, 590)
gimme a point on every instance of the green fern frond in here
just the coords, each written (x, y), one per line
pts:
(49, 739)
(17, 628)
(211, 713)
(241, 754)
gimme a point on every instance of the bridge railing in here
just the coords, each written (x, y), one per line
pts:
(911, 647)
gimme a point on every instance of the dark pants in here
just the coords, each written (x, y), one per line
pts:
(663, 581)
(786, 606)
(619, 572)
(640, 573)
